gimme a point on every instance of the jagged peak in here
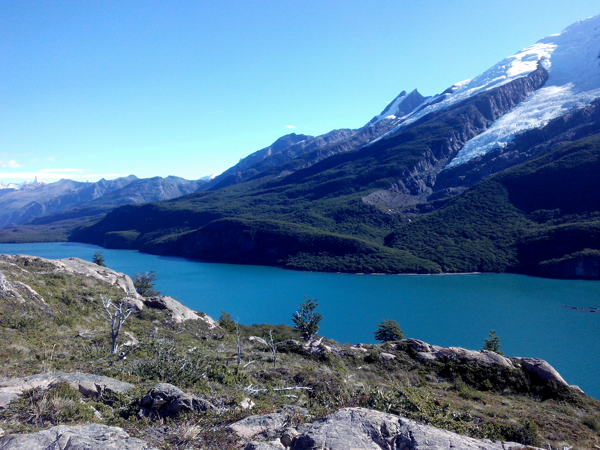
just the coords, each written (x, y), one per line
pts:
(401, 106)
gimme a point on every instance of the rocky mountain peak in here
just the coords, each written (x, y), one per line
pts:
(401, 106)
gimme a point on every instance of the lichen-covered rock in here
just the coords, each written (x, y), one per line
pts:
(288, 436)
(82, 437)
(433, 352)
(271, 445)
(131, 340)
(253, 425)
(247, 403)
(387, 356)
(179, 312)
(86, 384)
(167, 400)
(364, 429)
(539, 367)
(359, 349)
(543, 370)
(257, 340)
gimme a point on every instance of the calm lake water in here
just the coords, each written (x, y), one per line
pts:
(528, 313)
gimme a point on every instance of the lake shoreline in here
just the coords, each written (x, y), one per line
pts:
(452, 310)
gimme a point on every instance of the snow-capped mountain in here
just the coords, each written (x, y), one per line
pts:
(37, 182)
(496, 173)
(401, 107)
(572, 61)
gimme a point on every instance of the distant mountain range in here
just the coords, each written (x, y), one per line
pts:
(497, 173)
(20, 204)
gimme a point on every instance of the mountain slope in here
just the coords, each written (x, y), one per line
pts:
(518, 220)
(357, 204)
(292, 152)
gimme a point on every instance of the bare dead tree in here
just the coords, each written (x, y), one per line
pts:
(273, 347)
(117, 315)
(238, 342)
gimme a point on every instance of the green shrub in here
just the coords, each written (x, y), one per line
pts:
(63, 321)
(592, 421)
(388, 330)
(373, 357)
(22, 323)
(59, 404)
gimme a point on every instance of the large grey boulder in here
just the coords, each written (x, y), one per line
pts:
(101, 273)
(179, 312)
(543, 370)
(364, 429)
(434, 352)
(167, 400)
(539, 367)
(81, 437)
(88, 385)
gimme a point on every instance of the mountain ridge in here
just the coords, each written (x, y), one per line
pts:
(21, 206)
(341, 201)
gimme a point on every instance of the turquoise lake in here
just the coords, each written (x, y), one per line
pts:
(528, 314)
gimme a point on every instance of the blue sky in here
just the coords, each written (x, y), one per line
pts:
(92, 89)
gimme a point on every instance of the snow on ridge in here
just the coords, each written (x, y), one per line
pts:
(516, 66)
(37, 182)
(391, 108)
(573, 63)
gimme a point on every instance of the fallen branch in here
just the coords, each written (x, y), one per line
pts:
(255, 391)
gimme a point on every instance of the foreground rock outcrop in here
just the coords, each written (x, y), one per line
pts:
(86, 384)
(20, 291)
(82, 437)
(540, 368)
(167, 400)
(364, 429)
(254, 425)
(434, 352)
(80, 267)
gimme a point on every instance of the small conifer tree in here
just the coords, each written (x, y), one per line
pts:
(144, 284)
(493, 343)
(306, 320)
(98, 259)
(226, 322)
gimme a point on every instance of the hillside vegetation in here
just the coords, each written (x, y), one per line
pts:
(526, 219)
(535, 218)
(58, 324)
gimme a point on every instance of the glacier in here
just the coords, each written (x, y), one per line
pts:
(573, 62)
(572, 59)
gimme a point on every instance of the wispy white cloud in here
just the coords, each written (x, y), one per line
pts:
(10, 164)
(290, 126)
(62, 170)
(51, 158)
